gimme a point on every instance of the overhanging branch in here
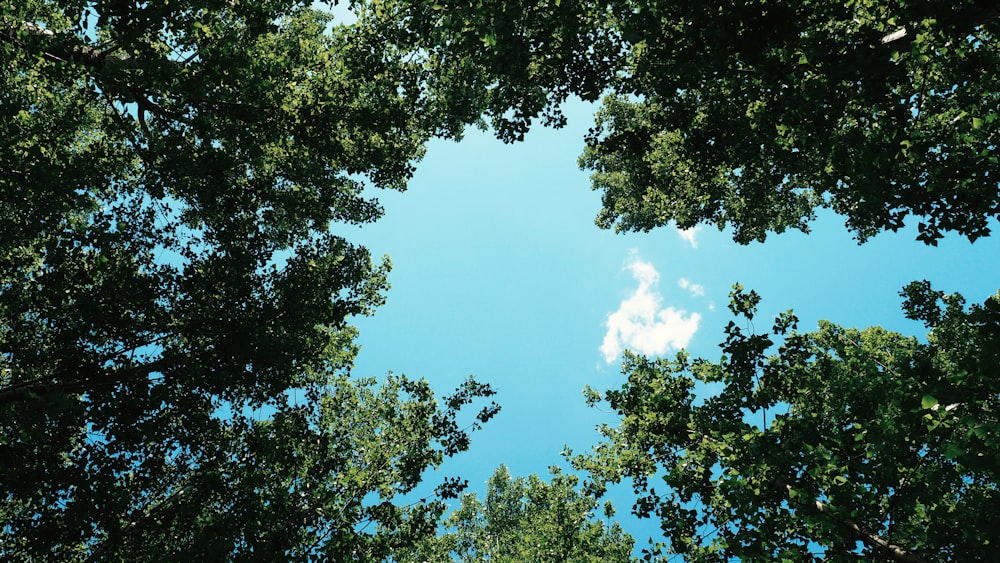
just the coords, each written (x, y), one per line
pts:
(872, 540)
(55, 48)
(84, 378)
(894, 552)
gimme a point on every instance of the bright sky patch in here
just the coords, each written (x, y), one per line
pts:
(695, 289)
(642, 324)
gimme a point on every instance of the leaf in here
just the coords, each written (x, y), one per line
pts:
(953, 451)
(928, 402)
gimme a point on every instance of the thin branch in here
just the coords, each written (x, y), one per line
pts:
(170, 498)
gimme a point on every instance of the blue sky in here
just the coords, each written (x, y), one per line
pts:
(500, 272)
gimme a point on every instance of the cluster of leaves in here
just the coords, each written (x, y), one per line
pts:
(510, 61)
(844, 443)
(174, 345)
(754, 115)
(750, 115)
(526, 520)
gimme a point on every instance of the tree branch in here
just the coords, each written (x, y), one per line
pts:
(980, 13)
(55, 49)
(149, 511)
(84, 378)
(893, 551)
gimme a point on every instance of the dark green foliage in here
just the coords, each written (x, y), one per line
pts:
(514, 61)
(754, 114)
(174, 345)
(751, 115)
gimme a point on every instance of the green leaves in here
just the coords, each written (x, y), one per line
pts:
(513, 63)
(928, 402)
(743, 304)
(527, 519)
(175, 309)
(853, 443)
(753, 118)
(310, 479)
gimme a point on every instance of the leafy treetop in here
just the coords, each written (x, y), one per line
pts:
(527, 520)
(174, 343)
(843, 443)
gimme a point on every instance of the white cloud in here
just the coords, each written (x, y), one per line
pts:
(642, 324)
(690, 235)
(696, 289)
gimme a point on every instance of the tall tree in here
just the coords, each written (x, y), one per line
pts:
(171, 294)
(845, 443)
(527, 520)
(747, 114)
(756, 113)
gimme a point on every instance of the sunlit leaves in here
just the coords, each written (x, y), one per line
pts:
(527, 519)
(309, 481)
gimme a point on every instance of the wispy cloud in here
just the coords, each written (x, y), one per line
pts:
(690, 235)
(642, 324)
(695, 289)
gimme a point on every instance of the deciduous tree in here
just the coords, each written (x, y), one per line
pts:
(174, 311)
(527, 520)
(755, 114)
(751, 115)
(844, 443)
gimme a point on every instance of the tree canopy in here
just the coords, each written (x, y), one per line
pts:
(843, 443)
(751, 115)
(174, 338)
(527, 520)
